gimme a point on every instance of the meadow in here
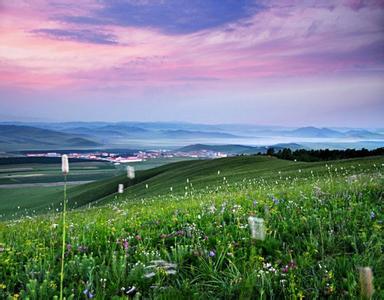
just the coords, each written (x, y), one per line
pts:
(180, 231)
(30, 187)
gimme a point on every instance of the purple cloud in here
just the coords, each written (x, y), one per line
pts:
(79, 35)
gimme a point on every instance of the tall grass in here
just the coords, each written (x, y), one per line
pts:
(318, 230)
(65, 170)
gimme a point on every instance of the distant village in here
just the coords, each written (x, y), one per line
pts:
(118, 158)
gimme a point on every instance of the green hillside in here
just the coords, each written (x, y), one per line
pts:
(200, 174)
(322, 222)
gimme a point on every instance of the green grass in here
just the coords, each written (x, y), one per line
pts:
(323, 221)
(47, 173)
(26, 200)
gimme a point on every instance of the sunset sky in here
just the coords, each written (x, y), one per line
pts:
(276, 62)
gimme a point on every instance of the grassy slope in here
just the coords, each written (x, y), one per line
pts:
(235, 169)
(201, 174)
(320, 231)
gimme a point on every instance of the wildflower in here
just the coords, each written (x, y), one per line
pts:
(120, 188)
(170, 272)
(150, 275)
(275, 200)
(125, 244)
(2, 286)
(212, 253)
(366, 282)
(162, 266)
(69, 247)
(54, 226)
(82, 249)
(254, 203)
(130, 172)
(138, 237)
(257, 228)
(64, 164)
(103, 282)
(372, 215)
(131, 291)
(292, 265)
(146, 186)
(87, 293)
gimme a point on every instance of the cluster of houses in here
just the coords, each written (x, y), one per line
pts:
(118, 158)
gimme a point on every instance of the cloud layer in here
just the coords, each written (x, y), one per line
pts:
(133, 47)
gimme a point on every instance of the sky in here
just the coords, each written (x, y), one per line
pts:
(269, 62)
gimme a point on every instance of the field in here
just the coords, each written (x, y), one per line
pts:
(30, 188)
(181, 231)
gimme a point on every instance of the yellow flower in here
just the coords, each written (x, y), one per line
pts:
(53, 285)
(15, 296)
(3, 286)
(301, 295)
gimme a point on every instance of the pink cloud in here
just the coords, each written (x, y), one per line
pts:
(287, 41)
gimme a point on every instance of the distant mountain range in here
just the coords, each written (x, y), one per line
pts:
(314, 132)
(238, 149)
(40, 135)
(27, 137)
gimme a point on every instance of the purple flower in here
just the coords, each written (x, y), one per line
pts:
(372, 215)
(125, 244)
(212, 253)
(254, 203)
(180, 232)
(69, 247)
(275, 200)
(292, 264)
(87, 293)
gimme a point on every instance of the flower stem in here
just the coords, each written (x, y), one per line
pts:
(63, 241)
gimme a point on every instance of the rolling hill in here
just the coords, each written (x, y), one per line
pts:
(27, 137)
(201, 175)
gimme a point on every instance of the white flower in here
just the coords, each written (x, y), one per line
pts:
(120, 188)
(366, 282)
(257, 227)
(64, 164)
(130, 172)
(150, 275)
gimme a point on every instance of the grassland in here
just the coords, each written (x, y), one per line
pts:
(32, 188)
(180, 231)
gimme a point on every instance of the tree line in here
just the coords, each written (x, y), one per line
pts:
(323, 154)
